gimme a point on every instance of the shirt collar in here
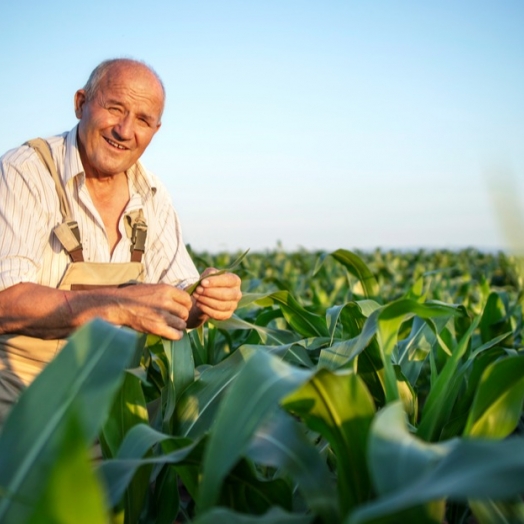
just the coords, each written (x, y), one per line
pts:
(139, 177)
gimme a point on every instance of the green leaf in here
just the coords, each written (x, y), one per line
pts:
(357, 267)
(409, 472)
(73, 492)
(494, 317)
(181, 365)
(180, 374)
(86, 373)
(273, 516)
(388, 324)
(491, 512)
(340, 408)
(444, 391)
(282, 444)
(497, 405)
(351, 316)
(396, 458)
(304, 322)
(245, 489)
(294, 353)
(166, 499)
(128, 410)
(134, 454)
(255, 393)
(198, 404)
(267, 335)
(348, 350)
(338, 354)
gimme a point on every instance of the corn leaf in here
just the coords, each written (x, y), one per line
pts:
(128, 410)
(198, 404)
(86, 374)
(340, 408)
(497, 512)
(358, 268)
(62, 501)
(497, 406)
(267, 335)
(273, 516)
(134, 454)
(444, 391)
(302, 321)
(389, 321)
(282, 443)
(255, 394)
(409, 472)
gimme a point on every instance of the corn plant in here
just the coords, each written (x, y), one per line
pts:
(348, 387)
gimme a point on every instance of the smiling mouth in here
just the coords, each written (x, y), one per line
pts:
(115, 144)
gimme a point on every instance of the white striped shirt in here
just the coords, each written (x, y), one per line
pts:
(29, 210)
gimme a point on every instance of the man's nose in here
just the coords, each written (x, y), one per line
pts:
(124, 127)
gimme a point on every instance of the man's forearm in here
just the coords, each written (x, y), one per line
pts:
(48, 313)
(43, 312)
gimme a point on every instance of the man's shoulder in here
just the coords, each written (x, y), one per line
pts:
(23, 154)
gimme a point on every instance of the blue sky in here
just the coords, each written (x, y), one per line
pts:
(322, 125)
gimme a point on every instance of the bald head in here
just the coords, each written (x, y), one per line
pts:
(112, 68)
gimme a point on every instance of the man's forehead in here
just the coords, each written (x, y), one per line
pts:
(118, 88)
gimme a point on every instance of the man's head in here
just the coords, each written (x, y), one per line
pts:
(119, 109)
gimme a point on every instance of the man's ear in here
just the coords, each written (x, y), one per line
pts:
(80, 100)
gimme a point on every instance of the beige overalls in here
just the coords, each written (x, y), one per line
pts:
(23, 357)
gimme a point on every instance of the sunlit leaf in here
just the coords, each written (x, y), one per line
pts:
(340, 408)
(73, 493)
(410, 472)
(86, 374)
(497, 405)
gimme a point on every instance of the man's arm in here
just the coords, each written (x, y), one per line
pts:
(216, 297)
(49, 313)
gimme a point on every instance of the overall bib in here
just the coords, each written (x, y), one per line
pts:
(22, 357)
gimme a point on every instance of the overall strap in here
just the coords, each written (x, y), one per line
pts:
(67, 232)
(136, 229)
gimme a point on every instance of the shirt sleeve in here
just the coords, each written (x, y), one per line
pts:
(23, 222)
(167, 259)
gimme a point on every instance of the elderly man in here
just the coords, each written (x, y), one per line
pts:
(82, 220)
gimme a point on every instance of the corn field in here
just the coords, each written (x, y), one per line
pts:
(349, 387)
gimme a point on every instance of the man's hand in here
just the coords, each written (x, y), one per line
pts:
(159, 309)
(216, 297)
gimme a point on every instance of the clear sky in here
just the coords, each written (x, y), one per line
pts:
(316, 124)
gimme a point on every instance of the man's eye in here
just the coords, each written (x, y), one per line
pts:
(114, 110)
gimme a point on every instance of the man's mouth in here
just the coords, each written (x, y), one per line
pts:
(115, 144)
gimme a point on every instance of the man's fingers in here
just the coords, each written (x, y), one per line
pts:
(158, 309)
(218, 296)
(228, 280)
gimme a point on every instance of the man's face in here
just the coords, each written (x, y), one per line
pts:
(118, 123)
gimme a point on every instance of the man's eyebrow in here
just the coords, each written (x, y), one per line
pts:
(147, 116)
(151, 119)
(113, 102)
